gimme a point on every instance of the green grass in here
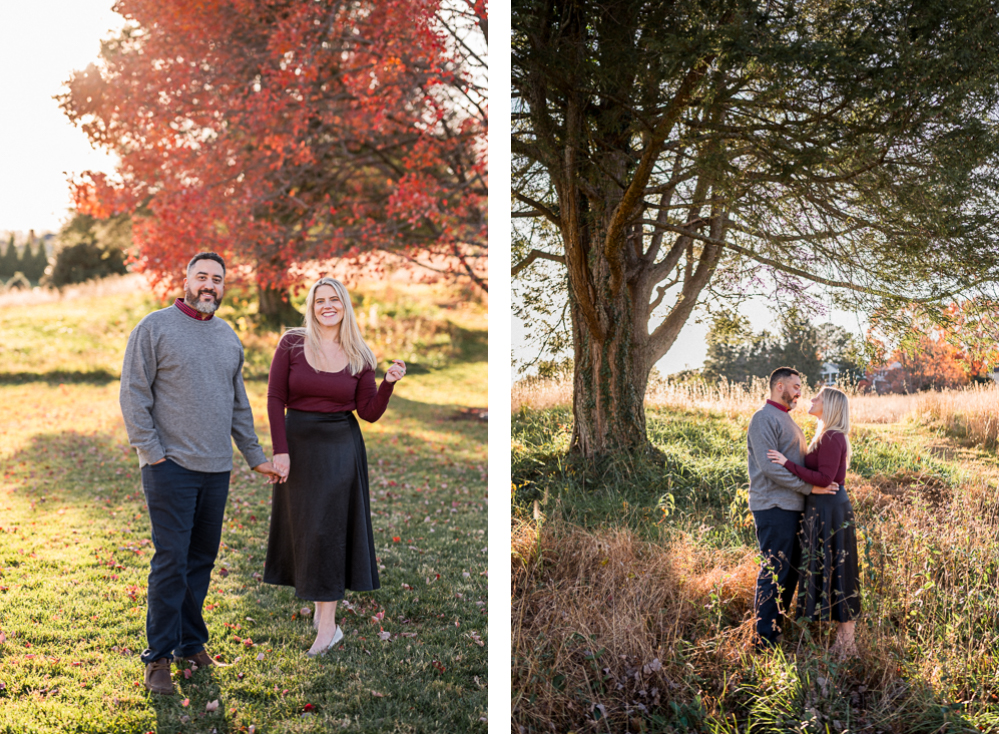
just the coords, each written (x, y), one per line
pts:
(928, 522)
(74, 555)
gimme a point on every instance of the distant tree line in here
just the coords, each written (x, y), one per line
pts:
(86, 249)
(937, 359)
(738, 354)
(30, 259)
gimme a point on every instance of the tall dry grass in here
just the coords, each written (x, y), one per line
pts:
(970, 412)
(608, 630)
(614, 632)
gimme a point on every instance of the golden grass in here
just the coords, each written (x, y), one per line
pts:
(111, 286)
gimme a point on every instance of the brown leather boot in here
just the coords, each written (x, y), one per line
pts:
(157, 677)
(201, 659)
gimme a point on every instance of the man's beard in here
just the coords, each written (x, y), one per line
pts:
(195, 302)
(786, 398)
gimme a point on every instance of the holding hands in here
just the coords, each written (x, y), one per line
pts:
(268, 469)
(283, 465)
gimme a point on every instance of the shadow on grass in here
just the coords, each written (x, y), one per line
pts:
(470, 345)
(84, 488)
(59, 377)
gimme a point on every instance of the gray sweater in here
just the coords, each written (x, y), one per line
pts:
(182, 393)
(772, 485)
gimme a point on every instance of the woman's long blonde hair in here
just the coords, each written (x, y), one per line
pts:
(836, 417)
(359, 354)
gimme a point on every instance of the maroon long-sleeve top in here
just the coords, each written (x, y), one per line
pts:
(824, 465)
(293, 383)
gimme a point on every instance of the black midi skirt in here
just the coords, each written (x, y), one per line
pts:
(321, 538)
(829, 581)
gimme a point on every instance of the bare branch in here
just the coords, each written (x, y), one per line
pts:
(538, 207)
(535, 255)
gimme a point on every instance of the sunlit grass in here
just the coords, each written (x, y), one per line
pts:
(634, 582)
(74, 555)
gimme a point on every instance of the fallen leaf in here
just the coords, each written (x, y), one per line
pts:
(652, 667)
(212, 705)
(378, 695)
(260, 656)
(223, 572)
(186, 702)
(185, 719)
(385, 635)
(306, 612)
(308, 707)
(3, 638)
(187, 673)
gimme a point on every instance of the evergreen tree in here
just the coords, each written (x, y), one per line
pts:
(34, 261)
(9, 263)
(799, 348)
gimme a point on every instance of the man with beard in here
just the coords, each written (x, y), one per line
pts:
(182, 397)
(777, 499)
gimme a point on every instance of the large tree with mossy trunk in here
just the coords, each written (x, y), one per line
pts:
(677, 151)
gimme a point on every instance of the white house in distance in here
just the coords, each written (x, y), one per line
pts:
(828, 373)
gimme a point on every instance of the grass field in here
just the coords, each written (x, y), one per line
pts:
(75, 549)
(633, 582)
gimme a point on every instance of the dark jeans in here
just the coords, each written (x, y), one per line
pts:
(778, 538)
(185, 510)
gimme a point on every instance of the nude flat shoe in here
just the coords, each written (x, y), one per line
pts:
(337, 637)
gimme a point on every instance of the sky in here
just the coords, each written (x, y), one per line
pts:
(43, 42)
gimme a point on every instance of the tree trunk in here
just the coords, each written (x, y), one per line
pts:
(609, 384)
(275, 308)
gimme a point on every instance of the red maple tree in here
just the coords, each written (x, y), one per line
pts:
(277, 132)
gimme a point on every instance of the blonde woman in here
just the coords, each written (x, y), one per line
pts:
(321, 531)
(829, 580)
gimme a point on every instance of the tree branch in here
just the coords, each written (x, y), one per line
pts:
(817, 278)
(614, 239)
(539, 207)
(535, 255)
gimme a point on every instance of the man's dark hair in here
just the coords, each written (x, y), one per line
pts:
(207, 256)
(780, 374)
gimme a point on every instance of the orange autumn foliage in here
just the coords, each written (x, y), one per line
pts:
(281, 132)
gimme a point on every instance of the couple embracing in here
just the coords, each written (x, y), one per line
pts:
(804, 520)
(183, 400)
